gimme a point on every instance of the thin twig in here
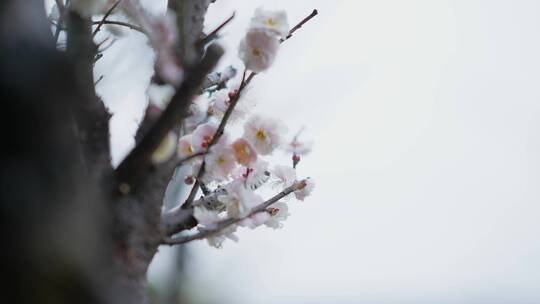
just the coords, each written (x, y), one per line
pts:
(299, 25)
(100, 24)
(99, 79)
(213, 34)
(121, 23)
(228, 222)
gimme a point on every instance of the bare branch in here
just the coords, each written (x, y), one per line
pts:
(121, 23)
(299, 25)
(138, 162)
(228, 222)
(214, 34)
(100, 24)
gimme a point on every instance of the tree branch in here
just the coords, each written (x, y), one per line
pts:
(228, 222)
(214, 34)
(138, 162)
(299, 25)
(90, 113)
(100, 24)
(121, 23)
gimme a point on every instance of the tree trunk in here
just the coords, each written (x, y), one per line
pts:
(67, 237)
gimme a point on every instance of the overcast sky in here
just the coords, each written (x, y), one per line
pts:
(425, 116)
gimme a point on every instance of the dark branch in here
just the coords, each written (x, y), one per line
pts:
(138, 162)
(90, 113)
(121, 23)
(107, 14)
(228, 222)
(214, 34)
(300, 24)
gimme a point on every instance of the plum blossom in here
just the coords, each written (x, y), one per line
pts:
(297, 147)
(217, 239)
(273, 21)
(253, 177)
(203, 135)
(306, 190)
(166, 149)
(255, 220)
(265, 134)
(221, 99)
(286, 176)
(258, 50)
(220, 162)
(239, 200)
(278, 213)
(244, 153)
(205, 217)
(185, 146)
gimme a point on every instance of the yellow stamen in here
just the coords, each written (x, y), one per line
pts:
(270, 22)
(261, 135)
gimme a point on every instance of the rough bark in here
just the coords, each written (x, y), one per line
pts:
(69, 235)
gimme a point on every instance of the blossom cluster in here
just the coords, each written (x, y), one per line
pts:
(240, 165)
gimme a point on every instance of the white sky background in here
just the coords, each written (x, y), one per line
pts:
(425, 116)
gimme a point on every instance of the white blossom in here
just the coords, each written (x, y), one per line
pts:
(216, 240)
(220, 162)
(253, 176)
(244, 153)
(258, 175)
(205, 217)
(185, 146)
(265, 134)
(239, 200)
(258, 50)
(273, 21)
(203, 135)
(255, 220)
(278, 213)
(286, 176)
(299, 147)
(306, 190)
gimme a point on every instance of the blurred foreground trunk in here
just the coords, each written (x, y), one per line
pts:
(66, 237)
